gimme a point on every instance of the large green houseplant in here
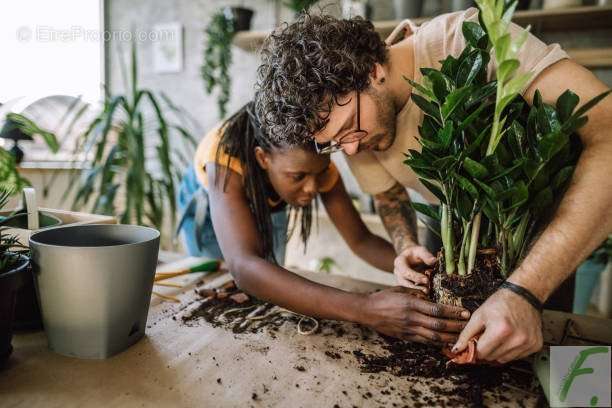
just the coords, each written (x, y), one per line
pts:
(496, 164)
(134, 156)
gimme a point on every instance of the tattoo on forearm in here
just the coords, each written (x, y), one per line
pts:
(397, 216)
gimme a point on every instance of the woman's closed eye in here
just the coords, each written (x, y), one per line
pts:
(297, 176)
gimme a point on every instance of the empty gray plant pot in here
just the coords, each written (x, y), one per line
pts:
(94, 286)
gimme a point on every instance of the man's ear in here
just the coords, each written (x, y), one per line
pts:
(378, 76)
(263, 158)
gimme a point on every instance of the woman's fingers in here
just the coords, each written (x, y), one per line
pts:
(436, 324)
(432, 336)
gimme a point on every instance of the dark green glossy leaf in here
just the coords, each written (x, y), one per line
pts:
(467, 185)
(426, 210)
(422, 89)
(548, 120)
(519, 194)
(434, 189)
(429, 128)
(550, 144)
(445, 162)
(450, 66)
(587, 106)
(543, 199)
(473, 34)
(515, 135)
(464, 207)
(490, 192)
(562, 178)
(445, 135)
(475, 169)
(537, 98)
(476, 144)
(454, 100)
(566, 103)
(519, 163)
(481, 93)
(469, 68)
(442, 84)
(427, 107)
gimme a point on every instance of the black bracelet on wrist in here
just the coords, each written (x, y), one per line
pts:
(524, 293)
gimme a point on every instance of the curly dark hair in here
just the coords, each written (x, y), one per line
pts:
(306, 66)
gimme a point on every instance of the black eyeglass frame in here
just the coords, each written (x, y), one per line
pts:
(354, 136)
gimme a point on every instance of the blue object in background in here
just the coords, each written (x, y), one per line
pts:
(587, 278)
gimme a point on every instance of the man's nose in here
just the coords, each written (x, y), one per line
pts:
(351, 148)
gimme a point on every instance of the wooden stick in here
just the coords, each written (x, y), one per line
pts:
(164, 276)
(171, 285)
(166, 297)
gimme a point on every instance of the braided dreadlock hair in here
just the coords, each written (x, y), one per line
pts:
(240, 135)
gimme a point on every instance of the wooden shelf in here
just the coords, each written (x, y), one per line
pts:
(592, 57)
(575, 18)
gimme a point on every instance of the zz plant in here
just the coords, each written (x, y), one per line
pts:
(496, 164)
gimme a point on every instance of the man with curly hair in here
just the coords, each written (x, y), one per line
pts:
(335, 83)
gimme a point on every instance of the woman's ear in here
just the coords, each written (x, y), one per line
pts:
(262, 157)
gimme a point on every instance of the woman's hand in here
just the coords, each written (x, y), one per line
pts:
(409, 266)
(406, 314)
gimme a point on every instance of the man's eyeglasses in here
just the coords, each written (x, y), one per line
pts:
(354, 136)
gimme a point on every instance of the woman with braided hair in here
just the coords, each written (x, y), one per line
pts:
(238, 200)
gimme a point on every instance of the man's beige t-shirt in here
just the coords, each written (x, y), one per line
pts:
(377, 172)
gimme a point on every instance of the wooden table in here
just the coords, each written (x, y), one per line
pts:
(176, 365)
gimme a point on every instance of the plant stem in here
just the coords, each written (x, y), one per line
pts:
(466, 232)
(474, 242)
(447, 239)
(494, 138)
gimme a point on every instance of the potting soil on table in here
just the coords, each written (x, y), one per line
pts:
(440, 383)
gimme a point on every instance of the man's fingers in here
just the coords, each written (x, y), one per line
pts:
(439, 310)
(473, 328)
(440, 325)
(403, 270)
(494, 338)
(416, 277)
(424, 255)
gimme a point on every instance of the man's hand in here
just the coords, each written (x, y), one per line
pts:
(404, 313)
(511, 328)
(409, 265)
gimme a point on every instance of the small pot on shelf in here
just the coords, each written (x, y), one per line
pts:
(242, 18)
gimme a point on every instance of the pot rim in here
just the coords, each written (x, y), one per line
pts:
(25, 261)
(32, 240)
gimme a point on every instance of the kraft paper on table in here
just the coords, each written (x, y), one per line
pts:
(175, 365)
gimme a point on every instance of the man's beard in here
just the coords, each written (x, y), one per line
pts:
(385, 122)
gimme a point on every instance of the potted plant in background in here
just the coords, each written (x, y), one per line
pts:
(10, 179)
(135, 156)
(497, 165)
(299, 6)
(218, 58)
(14, 269)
